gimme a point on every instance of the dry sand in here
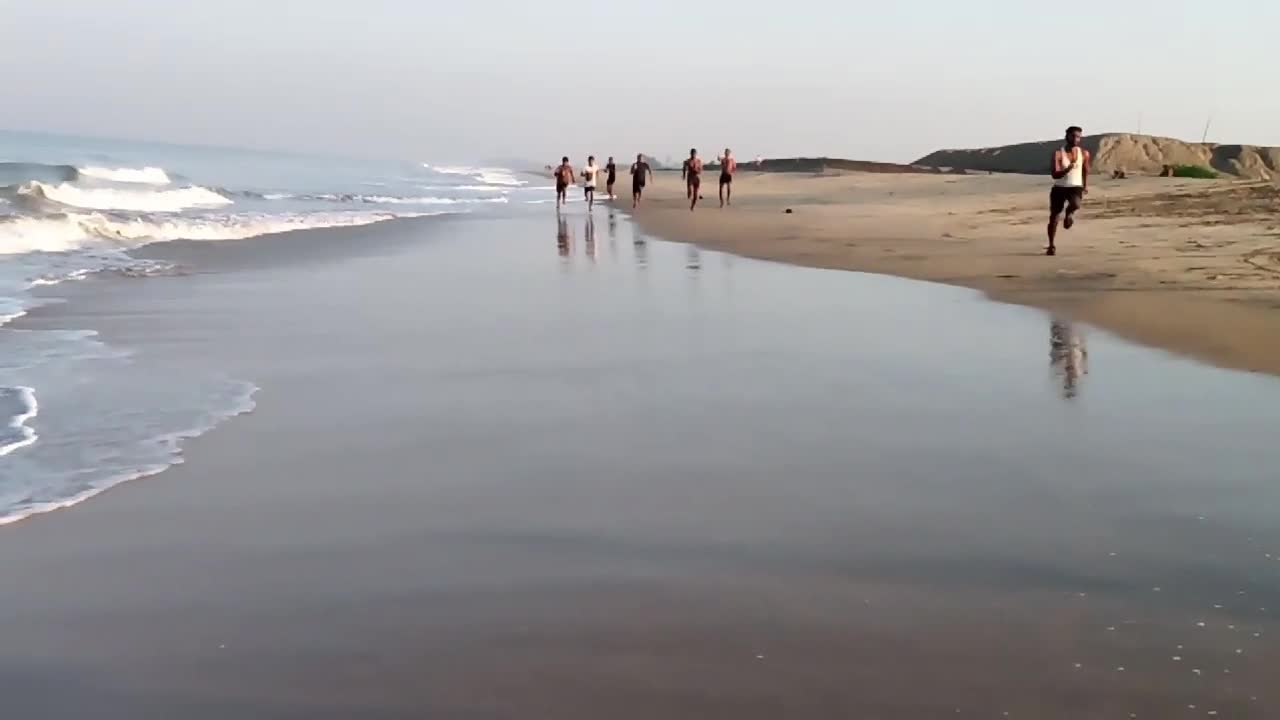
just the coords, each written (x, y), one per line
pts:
(1192, 266)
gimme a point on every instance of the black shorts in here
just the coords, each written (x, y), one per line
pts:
(561, 186)
(588, 190)
(611, 180)
(695, 181)
(726, 179)
(1061, 197)
(637, 188)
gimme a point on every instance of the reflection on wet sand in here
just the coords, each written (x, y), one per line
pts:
(1068, 356)
(590, 234)
(1133, 609)
(613, 234)
(693, 258)
(563, 242)
(640, 247)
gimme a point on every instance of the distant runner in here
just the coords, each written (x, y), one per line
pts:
(691, 172)
(728, 166)
(640, 172)
(1070, 184)
(611, 176)
(564, 178)
(589, 174)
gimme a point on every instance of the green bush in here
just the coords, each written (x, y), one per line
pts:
(1194, 171)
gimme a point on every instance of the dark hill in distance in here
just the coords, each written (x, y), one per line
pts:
(1137, 154)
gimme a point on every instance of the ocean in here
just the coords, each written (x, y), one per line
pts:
(77, 415)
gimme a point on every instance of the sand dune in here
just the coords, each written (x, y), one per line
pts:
(1139, 154)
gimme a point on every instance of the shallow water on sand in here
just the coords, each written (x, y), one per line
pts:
(668, 482)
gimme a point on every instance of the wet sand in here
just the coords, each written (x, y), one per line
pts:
(520, 468)
(1191, 266)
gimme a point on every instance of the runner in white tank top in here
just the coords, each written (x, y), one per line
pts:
(1074, 160)
(589, 174)
(1070, 184)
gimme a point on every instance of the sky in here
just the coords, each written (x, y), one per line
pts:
(466, 80)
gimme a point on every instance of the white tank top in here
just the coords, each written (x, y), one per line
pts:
(1075, 176)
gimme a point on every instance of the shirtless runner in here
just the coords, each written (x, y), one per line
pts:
(728, 166)
(564, 178)
(640, 174)
(691, 172)
(1070, 184)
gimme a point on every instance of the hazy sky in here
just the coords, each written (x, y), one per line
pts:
(467, 79)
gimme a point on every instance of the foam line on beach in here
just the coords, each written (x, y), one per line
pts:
(21, 403)
(172, 442)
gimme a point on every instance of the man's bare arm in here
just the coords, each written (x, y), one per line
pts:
(1088, 162)
(1060, 169)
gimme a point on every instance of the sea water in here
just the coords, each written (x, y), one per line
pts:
(77, 415)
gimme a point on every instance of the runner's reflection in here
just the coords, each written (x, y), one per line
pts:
(1068, 356)
(563, 242)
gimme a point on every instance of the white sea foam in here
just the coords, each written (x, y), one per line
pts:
(119, 199)
(169, 445)
(389, 200)
(469, 188)
(78, 230)
(142, 176)
(21, 403)
(11, 309)
(486, 175)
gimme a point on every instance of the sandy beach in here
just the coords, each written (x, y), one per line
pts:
(1187, 265)
(324, 396)
(515, 467)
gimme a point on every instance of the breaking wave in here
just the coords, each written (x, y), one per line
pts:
(71, 231)
(138, 176)
(486, 175)
(70, 195)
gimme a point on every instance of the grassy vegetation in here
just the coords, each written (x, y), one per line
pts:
(1195, 171)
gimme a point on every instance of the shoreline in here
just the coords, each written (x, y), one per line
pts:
(1187, 266)
(429, 514)
(75, 306)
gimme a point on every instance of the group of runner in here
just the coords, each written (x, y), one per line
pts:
(691, 173)
(641, 176)
(1070, 171)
